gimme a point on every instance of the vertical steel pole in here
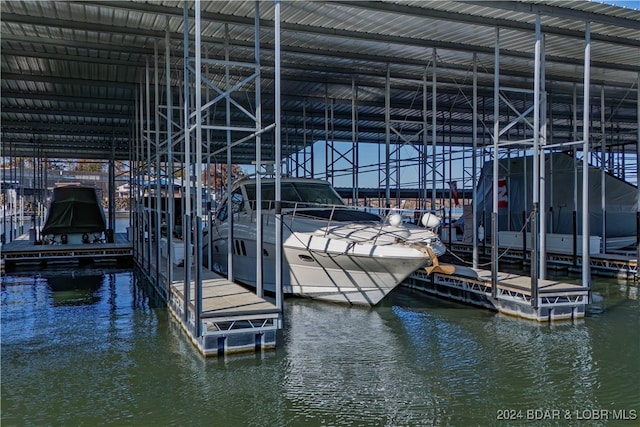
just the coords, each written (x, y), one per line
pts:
(3, 237)
(258, 207)
(536, 167)
(230, 219)
(13, 177)
(425, 139)
(197, 233)
(112, 189)
(156, 123)
(34, 186)
(305, 155)
(209, 193)
(142, 177)
(278, 155)
(170, 177)
(638, 169)
(450, 155)
(434, 107)
(148, 163)
(186, 213)
(586, 258)
(496, 136)
(140, 174)
(198, 279)
(354, 142)
(9, 198)
(326, 130)
(397, 178)
(575, 176)
(332, 151)
(603, 181)
(198, 110)
(312, 156)
(474, 196)
(387, 124)
(542, 220)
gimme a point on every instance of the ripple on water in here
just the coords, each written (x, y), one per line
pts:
(410, 361)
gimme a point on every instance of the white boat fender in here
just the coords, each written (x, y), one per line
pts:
(481, 233)
(395, 220)
(430, 220)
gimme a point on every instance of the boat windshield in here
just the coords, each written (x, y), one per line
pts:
(297, 193)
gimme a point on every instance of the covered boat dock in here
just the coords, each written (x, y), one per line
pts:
(404, 97)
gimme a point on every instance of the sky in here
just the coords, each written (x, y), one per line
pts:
(631, 4)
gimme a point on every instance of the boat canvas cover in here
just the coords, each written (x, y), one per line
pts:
(74, 210)
(621, 198)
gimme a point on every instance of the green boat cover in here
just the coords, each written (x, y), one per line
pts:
(74, 210)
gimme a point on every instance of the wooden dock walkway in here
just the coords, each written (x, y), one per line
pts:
(608, 265)
(556, 300)
(232, 318)
(24, 251)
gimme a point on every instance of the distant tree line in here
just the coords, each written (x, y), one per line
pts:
(79, 165)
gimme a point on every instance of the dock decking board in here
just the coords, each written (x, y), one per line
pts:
(219, 295)
(233, 318)
(556, 300)
(23, 250)
(616, 265)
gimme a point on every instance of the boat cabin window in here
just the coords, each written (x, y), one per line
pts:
(300, 194)
(237, 205)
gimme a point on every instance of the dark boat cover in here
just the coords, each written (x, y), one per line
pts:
(74, 210)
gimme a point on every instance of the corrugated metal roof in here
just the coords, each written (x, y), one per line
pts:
(71, 71)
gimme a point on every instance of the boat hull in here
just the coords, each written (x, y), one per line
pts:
(325, 269)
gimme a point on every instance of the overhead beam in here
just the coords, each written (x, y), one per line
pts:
(333, 32)
(339, 73)
(87, 129)
(560, 12)
(68, 57)
(73, 81)
(73, 44)
(486, 21)
(124, 116)
(8, 94)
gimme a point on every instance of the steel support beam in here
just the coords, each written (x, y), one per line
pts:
(496, 136)
(474, 163)
(586, 108)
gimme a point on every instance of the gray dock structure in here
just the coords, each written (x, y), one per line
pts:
(218, 316)
(553, 301)
(608, 265)
(180, 94)
(232, 319)
(23, 251)
(228, 318)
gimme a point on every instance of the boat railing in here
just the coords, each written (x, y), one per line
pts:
(293, 208)
(389, 216)
(326, 229)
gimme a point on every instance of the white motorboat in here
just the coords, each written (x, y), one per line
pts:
(331, 251)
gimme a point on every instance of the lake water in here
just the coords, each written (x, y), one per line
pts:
(97, 347)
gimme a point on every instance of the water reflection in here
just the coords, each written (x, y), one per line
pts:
(350, 367)
(74, 288)
(413, 360)
(77, 336)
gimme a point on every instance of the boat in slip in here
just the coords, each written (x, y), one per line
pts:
(75, 217)
(331, 251)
